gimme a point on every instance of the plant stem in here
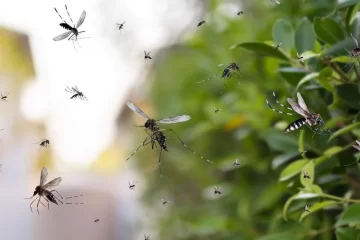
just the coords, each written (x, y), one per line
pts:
(340, 199)
(333, 66)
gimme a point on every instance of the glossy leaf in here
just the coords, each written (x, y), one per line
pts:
(300, 195)
(347, 233)
(316, 207)
(292, 75)
(292, 169)
(308, 170)
(304, 36)
(350, 94)
(263, 49)
(344, 130)
(282, 32)
(306, 79)
(350, 216)
(328, 30)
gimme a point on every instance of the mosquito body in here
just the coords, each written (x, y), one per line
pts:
(239, 13)
(217, 190)
(216, 110)
(156, 135)
(300, 58)
(147, 237)
(72, 32)
(4, 97)
(307, 208)
(76, 92)
(164, 201)
(121, 25)
(277, 46)
(44, 143)
(43, 192)
(147, 55)
(306, 175)
(96, 220)
(309, 119)
(236, 163)
(200, 22)
(133, 185)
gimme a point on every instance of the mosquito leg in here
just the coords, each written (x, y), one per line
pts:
(32, 202)
(160, 162)
(37, 207)
(75, 196)
(60, 15)
(57, 193)
(141, 145)
(186, 145)
(71, 36)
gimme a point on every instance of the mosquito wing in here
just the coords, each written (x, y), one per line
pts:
(53, 183)
(81, 19)
(137, 110)
(296, 107)
(302, 102)
(182, 118)
(62, 36)
(43, 176)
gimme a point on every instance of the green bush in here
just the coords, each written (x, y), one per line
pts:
(265, 196)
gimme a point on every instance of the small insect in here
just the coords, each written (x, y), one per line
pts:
(236, 163)
(239, 13)
(300, 58)
(147, 237)
(96, 220)
(306, 175)
(43, 192)
(147, 55)
(121, 26)
(309, 119)
(4, 97)
(76, 92)
(44, 143)
(133, 185)
(276, 1)
(354, 53)
(216, 110)
(156, 135)
(217, 190)
(73, 31)
(277, 46)
(307, 208)
(200, 22)
(164, 201)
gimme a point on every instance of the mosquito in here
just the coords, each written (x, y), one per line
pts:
(76, 92)
(156, 135)
(147, 55)
(121, 26)
(309, 119)
(73, 32)
(147, 237)
(301, 152)
(216, 110)
(43, 192)
(277, 46)
(4, 97)
(354, 53)
(236, 163)
(276, 1)
(164, 201)
(133, 185)
(217, 190)
(300, 58)
(307, 208)
(240, 12)
(96, 220)
(200, 22)
(306, 175)
(45, 143)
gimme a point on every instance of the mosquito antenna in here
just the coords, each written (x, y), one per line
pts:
(60, 15)
(69, 15)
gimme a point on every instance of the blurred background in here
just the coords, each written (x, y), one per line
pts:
(90, 140)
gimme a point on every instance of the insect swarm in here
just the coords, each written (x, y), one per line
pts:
(76, 92)
(156, 135)
(309, 119)
(73, 32)
(43, 192)
(4, 97)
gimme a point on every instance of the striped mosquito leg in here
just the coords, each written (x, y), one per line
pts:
(186, 145)
(141, 145)
(77, 196)
(295, 125)
(277, 101)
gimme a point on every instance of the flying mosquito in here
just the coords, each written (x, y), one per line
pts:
(306, 175)
(277, 46)
(73, 32)
(276, 1)
(156, 135)
(300, 58)
(164, 201)
(301, 152)
(200, 22)
(121, 26)
(217, 190)
(307, 208)
(96, 220)
(76, 92)
(217, 109)
(147, 55)
(45, 143)
(240, 12)
(147, 237)
(4, 97)
(43, 192)
(236, 163)
(309, 119)
(133, 185)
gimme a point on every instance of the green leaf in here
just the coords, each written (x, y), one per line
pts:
(350, 216)
(300, 195)
(263, 49)
(280, 141)
(282, 32)
(325, 78)
(292, 169)
(328, 30)
(354, 13)
(292, 75)
(282, 158)
(315, 189)
(333, 151)
(309, 170)
(316, 207)
(341, 59)
(307, 78)
(350, 94)
(344, 130)
(346, 3)
(279, 236)
(347, 234)
(304, 36)
(309, 54)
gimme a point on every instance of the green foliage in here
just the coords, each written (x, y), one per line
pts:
(265, 196)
